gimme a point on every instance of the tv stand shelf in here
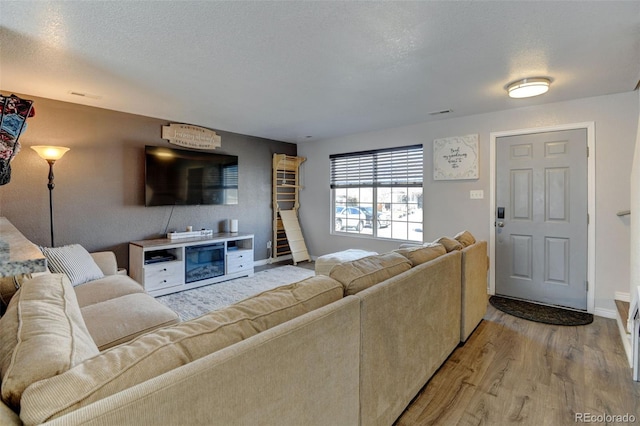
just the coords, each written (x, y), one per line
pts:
(166, 266)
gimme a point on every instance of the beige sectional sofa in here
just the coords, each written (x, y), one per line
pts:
(352, 349)
(410, 324)
(114, 307)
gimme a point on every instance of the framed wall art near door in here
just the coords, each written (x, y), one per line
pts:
(455, 158)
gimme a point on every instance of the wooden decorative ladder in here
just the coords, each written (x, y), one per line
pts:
(287, 235)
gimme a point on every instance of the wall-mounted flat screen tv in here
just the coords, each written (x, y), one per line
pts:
(182, 177)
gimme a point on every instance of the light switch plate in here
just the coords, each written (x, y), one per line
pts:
(476, 194)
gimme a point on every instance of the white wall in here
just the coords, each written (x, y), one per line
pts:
(448, 208)
(635, 210)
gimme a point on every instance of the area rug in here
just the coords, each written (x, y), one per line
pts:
(198, 301)
(540, 313)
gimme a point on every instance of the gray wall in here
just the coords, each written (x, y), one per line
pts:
(447, 207)
(99, 183)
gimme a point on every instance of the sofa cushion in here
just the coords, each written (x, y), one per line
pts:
(465, 238)
(8, 287)
(74, 261)
(449, 243)
(123, 318)
(363, 273)
(107, 288)
(42, 334)
(326, 262)
(421, 254)
(157, 352)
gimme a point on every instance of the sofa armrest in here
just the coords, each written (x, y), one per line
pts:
(106, 261)
(474, 287)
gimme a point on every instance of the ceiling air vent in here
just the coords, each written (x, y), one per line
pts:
(444, 111)
(84, 95)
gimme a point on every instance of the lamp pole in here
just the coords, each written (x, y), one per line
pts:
(51, 185)
(50, 154)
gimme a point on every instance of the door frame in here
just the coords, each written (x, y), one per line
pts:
(591, 201)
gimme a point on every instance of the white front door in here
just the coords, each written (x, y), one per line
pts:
(541, 217)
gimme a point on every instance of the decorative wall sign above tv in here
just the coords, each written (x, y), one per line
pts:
(191, 136)
(455, 158)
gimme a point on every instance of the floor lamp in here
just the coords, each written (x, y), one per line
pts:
(51, 154)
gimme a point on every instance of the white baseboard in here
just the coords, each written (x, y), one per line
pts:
(622, 296)
(612, 313)
(624, 336)
(606, 313)
(626, 339)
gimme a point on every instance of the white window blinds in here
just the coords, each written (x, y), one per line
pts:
(402, 166)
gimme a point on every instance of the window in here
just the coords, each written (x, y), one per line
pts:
(378, 193)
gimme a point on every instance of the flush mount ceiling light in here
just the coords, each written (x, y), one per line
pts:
(528, 87)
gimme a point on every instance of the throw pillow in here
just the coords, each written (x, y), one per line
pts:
(449, 243)
(465, 238)
(74, 261)
(42, 334)
(422, 254)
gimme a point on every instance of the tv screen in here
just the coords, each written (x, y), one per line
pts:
(181, 177)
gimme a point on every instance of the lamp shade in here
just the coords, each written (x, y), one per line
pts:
(50, 152)
(528, 87)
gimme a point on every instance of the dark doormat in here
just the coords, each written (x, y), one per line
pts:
(540, 313)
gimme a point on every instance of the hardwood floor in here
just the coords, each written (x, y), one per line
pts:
(513, 371)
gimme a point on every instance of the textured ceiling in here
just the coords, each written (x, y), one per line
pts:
(288, 70)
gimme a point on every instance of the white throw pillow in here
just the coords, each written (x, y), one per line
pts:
(74, 261)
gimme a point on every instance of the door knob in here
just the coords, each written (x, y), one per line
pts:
(500, 224)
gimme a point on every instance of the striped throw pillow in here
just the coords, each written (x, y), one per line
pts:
(74, 261)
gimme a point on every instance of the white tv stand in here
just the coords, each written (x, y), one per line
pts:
(166, 266)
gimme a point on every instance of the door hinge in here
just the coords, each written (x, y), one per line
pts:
(587, 152)
(586, 284)
(588, 218)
